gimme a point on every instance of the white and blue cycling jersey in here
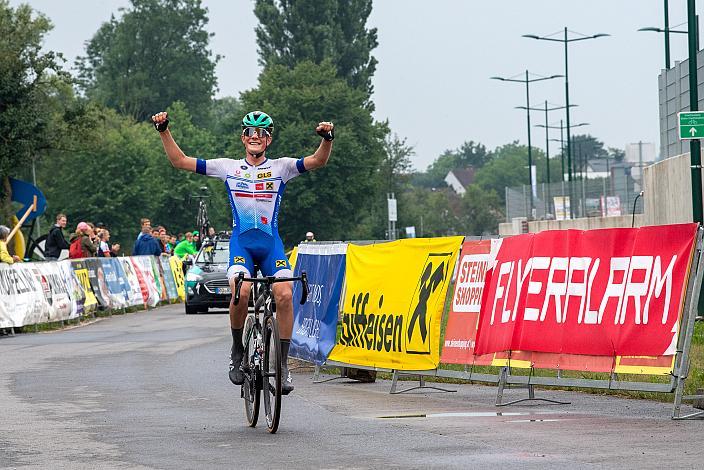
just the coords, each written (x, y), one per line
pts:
(254, 191)
(255, 196)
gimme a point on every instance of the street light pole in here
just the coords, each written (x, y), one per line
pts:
(527, 80)
(565, 40)
(694, 145)
(667, 35)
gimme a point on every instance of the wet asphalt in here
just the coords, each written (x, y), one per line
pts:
(150, 390)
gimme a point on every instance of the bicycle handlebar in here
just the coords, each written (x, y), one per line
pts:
(271, 280)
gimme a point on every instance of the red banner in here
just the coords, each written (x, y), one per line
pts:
(461, 330)
(601, 292)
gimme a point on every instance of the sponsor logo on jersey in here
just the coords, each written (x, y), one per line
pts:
(247, 175)
(259, 186)
(280, 263)
(238, 260)
(263, 196)
(270, 186)
(263, 167)
(242, 185)
(238, 172)
(264, 220)
(244, 167)
(266, 174)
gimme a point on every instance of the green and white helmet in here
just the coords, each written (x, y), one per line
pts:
(258, 119)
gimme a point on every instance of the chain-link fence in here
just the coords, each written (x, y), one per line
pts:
(599, 197)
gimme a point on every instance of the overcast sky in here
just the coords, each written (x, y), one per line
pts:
(435, 59)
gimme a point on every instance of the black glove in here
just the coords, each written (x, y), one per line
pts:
(162, 126)
(327, 135)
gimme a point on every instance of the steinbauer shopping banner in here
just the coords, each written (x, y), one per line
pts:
(395, 294)
(463, 317)
(603, 292)
(315, 322)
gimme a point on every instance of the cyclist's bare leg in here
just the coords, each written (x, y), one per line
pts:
(238, 313)
(283, 294)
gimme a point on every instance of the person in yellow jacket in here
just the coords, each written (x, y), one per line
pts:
(4, 254)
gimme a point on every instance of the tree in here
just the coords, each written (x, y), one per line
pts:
(480, 211)
(508, 167)
(468, 154)
(396, 166)
(155, 54)
(292, 31)
(105, 176)
(332, 201)
(29, 81)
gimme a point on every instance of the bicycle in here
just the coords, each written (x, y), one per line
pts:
(202, 220)
(262, 360)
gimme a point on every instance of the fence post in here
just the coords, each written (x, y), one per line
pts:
(508, 218)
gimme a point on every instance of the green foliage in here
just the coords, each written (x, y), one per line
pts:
(293, 31)
(29, 79)
(225, 124)
(396, 166)
(117, 172)
(333, 201)
(155, 54)
(480, 212)
(104, 178)
(508, 167)
(468, 154)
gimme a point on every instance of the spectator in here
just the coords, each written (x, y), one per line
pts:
(104, 250)
(142, 223)
(186, 247)
(146, 244)
(82, 245)
(310, 237)
(211, 233)
(115, 250)
(196, 240)
(4, 254)
(55, 241)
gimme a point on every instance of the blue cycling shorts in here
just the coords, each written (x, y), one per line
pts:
(255, 247)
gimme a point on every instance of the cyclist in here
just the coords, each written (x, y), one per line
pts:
(255, 185)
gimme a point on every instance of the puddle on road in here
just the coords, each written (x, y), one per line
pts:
(467, 414)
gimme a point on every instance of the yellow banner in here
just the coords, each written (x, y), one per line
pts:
(90, 300)
(177, 270)
(394, 298)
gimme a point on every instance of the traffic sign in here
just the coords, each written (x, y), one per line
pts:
(691, 125)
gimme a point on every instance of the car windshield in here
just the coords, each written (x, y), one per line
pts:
(217, 254)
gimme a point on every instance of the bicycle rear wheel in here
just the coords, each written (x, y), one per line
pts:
(271, 373)
(252, 386)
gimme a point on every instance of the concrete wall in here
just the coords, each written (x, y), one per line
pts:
(585, 223)
(668, 191)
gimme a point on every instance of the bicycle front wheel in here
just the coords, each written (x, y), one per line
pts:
(251, 388)
(271, 374)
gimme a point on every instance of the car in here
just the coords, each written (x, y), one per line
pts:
(206, 278)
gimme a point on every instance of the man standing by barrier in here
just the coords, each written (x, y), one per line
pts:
(55, 241)
(255, 185)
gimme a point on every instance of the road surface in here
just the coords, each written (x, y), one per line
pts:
(150, 390)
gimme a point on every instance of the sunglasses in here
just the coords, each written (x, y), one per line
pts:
(252, 131)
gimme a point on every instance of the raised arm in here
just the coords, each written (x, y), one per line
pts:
(321, 156)
(176, 156)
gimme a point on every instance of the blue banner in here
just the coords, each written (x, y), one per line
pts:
(315, 323)
(112, 274)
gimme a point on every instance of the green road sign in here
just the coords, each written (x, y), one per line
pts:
(691, 125)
